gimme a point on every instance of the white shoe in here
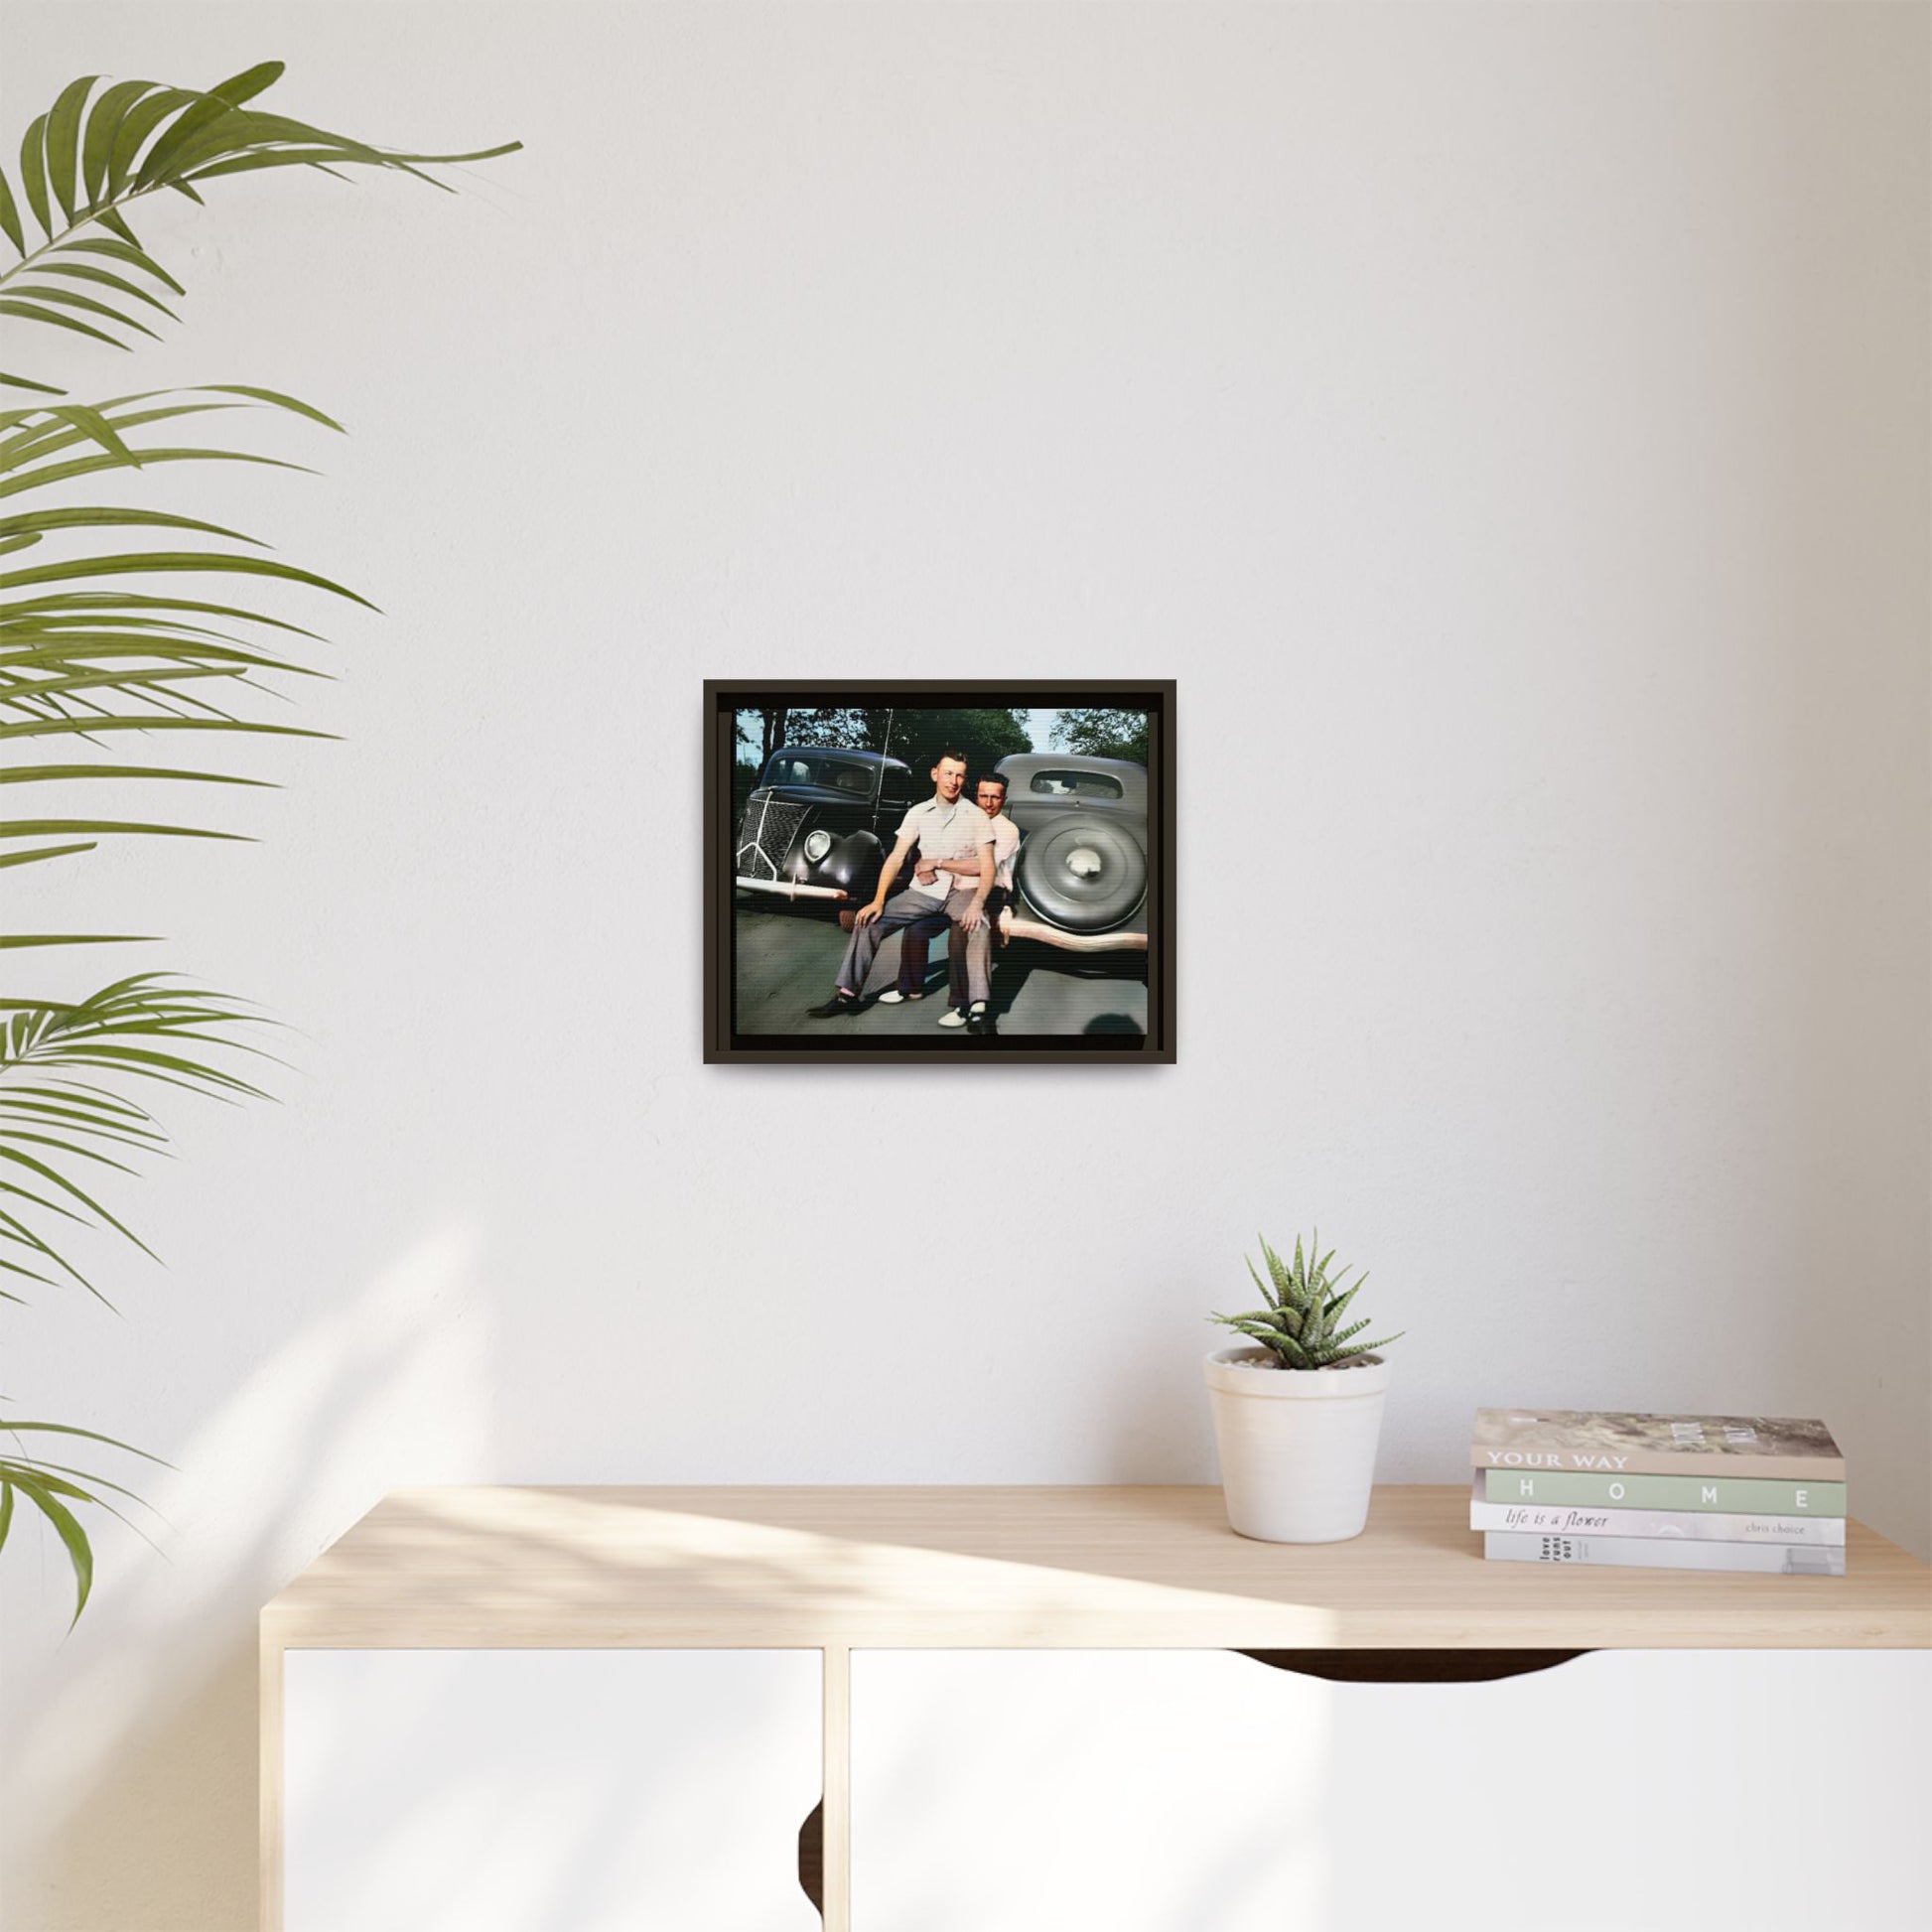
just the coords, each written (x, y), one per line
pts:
(893, 997)
(952, 1016)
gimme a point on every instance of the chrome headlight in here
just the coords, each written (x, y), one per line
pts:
(817, 845)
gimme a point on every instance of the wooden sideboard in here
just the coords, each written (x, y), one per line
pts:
(839, 1570)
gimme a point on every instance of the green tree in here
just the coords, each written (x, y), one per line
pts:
(1103, 733)
(917, 736)
(982, 738)
(829, 725)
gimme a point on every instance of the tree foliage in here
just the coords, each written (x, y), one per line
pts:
(917, 737)
(982, 737)
(1103, 733)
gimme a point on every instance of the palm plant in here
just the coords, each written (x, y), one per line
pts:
(1302, 1323)
(102, 646)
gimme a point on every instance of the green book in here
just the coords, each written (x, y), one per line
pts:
(1751, 1495)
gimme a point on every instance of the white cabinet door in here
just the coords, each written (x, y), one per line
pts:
(1201, 1791)
(545, 1790)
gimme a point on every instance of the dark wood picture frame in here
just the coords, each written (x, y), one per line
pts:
(847, 1044)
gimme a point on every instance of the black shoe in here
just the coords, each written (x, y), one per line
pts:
(837, 1006)
(978, 1021)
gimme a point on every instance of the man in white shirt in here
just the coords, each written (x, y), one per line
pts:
(991, 796)
(955, 840)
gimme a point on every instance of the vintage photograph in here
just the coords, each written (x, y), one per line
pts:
(931, 873)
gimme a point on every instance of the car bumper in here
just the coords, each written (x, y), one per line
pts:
(787, 889)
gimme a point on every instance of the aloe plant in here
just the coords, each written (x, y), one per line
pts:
(104, 646)
(1302, 1323)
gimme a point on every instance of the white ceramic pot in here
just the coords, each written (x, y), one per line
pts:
(1297, 1445)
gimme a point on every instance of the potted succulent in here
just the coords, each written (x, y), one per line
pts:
(1297, 1415)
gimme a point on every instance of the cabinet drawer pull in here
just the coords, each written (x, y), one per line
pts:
(812, 1856)
(1412, 1666)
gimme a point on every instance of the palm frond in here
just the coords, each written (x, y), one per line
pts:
(85, 655)
(144, 1028)
(98, 643)
(94, 154)
(54, 1487)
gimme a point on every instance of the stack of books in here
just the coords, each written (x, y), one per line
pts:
(1661, 1492)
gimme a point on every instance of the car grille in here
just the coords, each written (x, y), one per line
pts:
(765, 836)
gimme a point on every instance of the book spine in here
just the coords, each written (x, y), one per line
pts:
(1659, 1463)
(1691, 1525)
(1642, 1553)
(1733, 1495)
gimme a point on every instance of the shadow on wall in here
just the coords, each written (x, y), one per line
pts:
(138, 1813)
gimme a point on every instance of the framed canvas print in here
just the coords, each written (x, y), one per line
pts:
(939, 873)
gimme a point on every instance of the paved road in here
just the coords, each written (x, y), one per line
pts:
(787, 956)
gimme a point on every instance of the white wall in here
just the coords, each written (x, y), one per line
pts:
(1509, 425)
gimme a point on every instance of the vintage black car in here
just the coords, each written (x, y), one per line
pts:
(819, 822)
(1081, 876)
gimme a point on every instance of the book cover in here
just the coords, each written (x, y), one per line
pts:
(1642, 1553)
(1738, 1496)
(1621, 1442)
(1683, 1525)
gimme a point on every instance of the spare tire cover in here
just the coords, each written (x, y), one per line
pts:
(1084, 873)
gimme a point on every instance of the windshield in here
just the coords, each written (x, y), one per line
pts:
(820, 768)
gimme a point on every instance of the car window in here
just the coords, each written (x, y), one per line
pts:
(1076, 785)
(820, 768)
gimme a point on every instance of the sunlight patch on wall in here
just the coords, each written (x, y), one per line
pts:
(393, 1388)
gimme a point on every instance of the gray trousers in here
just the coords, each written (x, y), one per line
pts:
(907, 908)
(959, 971)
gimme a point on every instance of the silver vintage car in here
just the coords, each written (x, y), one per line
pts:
(1080, 876)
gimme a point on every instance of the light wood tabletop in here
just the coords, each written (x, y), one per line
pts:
(839, 1569)
(1046, 1567)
